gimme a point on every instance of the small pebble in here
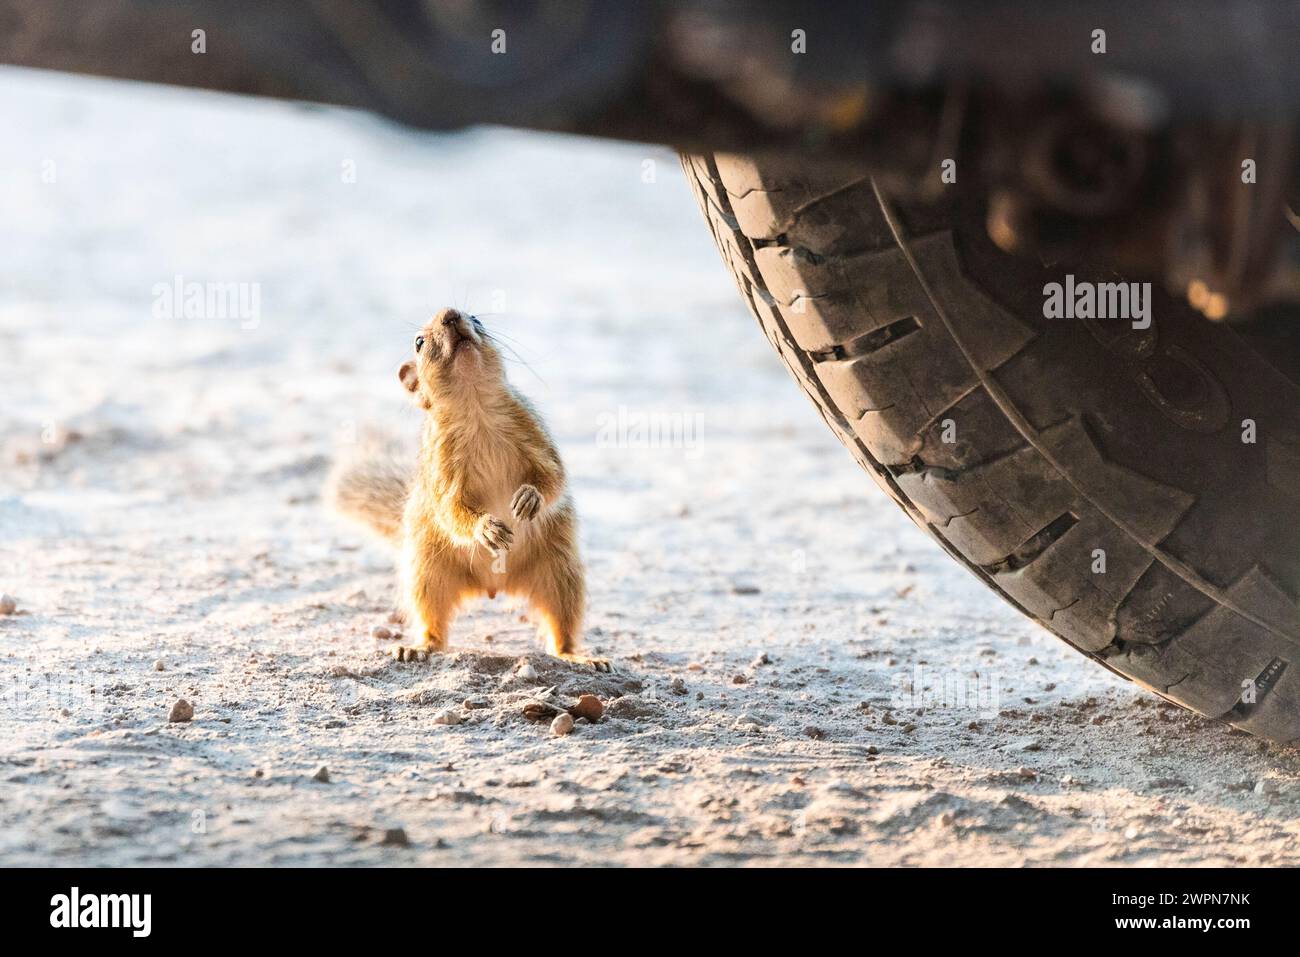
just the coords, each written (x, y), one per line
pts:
(738, 679)
(1266, 786)
(677, 686)
(396, 837)
(181, 711)
(536, 710)
(562, 724)
(447, 716)
(380, 633)
(322, 775)
(695, 666)
(762, 659)
(526, 672)
(476, 704)
(814, 732)
(159, 666)
(8, 604)
(872, 749)
(1027, 773)
(589, 707)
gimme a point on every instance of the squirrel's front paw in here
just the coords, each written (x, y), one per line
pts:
(494, 533)
(526, 503)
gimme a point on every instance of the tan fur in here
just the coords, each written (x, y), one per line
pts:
(486, 510)
(371, 487)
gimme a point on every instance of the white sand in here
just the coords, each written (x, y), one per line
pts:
(158, 501)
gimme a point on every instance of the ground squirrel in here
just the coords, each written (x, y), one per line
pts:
(486, 508)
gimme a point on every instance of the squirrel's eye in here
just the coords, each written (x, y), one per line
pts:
(419, 341)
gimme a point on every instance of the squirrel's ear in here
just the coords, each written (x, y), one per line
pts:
(407, 375)
(411, 381)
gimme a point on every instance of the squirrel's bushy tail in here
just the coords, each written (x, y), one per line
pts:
(371, 487)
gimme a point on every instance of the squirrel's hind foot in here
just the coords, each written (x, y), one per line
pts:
(597, 664)
(417, 652)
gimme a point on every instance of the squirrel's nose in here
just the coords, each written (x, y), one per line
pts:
(450, 317)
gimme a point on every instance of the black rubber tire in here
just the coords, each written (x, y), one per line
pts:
(1070, 439)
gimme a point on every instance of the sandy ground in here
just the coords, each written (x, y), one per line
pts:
(803, 677)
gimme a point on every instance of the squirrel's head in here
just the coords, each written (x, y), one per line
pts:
(453, 355)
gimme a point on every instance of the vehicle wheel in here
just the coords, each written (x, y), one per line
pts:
(1136, 491)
